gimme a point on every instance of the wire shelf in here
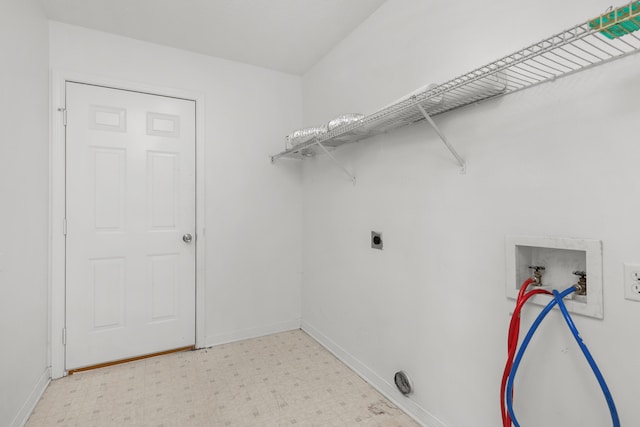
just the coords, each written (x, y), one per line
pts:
(592, 43)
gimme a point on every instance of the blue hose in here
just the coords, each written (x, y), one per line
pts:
(592, 362)
(523, 347)
(558, 297)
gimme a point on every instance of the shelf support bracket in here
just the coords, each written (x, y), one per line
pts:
(461, 162)
(337, 163)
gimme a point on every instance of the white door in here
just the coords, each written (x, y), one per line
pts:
(130, 286)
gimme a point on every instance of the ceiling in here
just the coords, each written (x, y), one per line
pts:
(284, 35)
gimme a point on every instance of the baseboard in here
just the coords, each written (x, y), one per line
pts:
(259, 331)
(388, 390)
(29, 405)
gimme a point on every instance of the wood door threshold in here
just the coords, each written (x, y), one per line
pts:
(131, 359)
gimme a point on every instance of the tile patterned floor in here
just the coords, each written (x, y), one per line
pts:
(285, 379)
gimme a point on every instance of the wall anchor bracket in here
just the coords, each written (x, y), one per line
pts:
(461, 162)
(337, 163)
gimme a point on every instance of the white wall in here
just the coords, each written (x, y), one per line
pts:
(555, 160)
(24, 166)
(253, 208)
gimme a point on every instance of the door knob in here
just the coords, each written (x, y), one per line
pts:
(187, 238)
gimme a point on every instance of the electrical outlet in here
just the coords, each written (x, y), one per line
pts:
(376, 240)
(632, 282)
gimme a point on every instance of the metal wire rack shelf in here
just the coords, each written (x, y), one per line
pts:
(583, 46)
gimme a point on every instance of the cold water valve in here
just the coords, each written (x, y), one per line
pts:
(581, 286)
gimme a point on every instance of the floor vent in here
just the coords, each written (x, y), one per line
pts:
(403, 383)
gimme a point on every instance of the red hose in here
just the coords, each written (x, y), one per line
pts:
(512, 343)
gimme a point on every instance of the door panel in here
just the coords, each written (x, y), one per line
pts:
(107, 293)
(109, 190)
(130, 285)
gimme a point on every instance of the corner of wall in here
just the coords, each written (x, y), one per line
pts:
(29, 405)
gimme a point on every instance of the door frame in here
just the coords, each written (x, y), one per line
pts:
(57, 203)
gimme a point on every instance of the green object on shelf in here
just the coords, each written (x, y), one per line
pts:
(619, 22)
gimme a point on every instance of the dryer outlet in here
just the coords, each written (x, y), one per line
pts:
(376, 240)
